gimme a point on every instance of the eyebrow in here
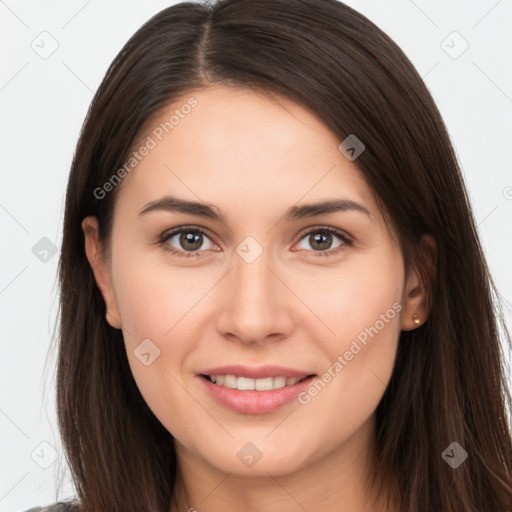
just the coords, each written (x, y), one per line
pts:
(325, 207)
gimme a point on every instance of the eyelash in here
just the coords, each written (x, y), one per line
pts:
(165, 237)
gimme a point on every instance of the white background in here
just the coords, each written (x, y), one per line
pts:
(43, 103)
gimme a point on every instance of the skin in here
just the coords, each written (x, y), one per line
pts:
(252, 158)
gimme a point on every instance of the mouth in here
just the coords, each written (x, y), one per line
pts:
(254, 389)
(248, 395)
(248, 384)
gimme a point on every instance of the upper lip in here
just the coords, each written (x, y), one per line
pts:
(259, 372)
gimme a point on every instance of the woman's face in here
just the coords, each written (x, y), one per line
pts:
(266, 286)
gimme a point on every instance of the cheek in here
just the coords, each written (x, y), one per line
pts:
(361, 305)
(160, 309)
(356, 295)
(156, 301)
(156, 308)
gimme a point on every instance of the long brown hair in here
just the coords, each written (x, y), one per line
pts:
(448, 383)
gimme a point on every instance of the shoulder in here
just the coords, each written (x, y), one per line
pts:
(61, 506)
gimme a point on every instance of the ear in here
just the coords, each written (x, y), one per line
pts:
(415, 297)
(100, 269)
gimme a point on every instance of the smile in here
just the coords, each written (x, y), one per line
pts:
(248, 384)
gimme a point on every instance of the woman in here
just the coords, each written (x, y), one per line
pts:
(329, 340)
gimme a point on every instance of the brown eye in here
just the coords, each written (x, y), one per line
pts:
(321, 240)
(186, 242)
(190, 241)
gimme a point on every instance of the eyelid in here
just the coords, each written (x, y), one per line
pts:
(189, 227)
(338, 232)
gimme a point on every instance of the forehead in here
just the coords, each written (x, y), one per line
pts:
(240, 148)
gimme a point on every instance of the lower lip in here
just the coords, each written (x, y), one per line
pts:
(252, 401)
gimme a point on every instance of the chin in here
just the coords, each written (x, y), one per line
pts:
(258, 457)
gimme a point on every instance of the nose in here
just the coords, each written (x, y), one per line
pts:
(256, 302)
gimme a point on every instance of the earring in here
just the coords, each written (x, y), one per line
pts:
(416, 319)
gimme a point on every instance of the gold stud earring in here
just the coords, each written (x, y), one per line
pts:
(416, 319)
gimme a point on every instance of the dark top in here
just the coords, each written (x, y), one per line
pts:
(60, 506)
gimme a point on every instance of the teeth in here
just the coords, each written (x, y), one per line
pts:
(244, 383)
